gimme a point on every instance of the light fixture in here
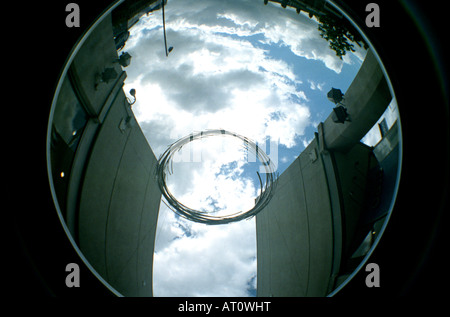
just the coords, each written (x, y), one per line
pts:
(335, 95)
(124, 60)
(339, 114)
(133, 93)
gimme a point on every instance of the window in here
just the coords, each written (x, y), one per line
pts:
(69, 120)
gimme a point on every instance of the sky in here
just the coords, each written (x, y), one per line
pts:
(258, 70)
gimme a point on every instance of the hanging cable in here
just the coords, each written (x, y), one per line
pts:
(164, 167)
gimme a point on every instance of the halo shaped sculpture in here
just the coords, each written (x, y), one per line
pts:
(165, 166)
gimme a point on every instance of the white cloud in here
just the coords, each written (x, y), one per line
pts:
(306, 142)
(313, 85)
(193, 259)
(216, 176)
(211, 74)
(211, 261)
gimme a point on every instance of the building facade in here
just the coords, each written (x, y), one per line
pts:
(102, 168)
(330, 203)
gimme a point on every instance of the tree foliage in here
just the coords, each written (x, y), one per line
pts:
(340, 34)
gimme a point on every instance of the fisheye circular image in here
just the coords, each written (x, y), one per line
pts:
(241, 148)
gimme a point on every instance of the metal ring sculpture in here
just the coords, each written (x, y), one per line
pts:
(266, 193)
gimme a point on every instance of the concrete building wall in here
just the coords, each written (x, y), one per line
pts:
(119, 204)
(366, 100)
(310, 224)
(112, 197)
(309, 229)
(352, 169)
(97, 53)
(295, 232)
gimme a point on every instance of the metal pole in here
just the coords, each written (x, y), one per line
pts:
(164, 27)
